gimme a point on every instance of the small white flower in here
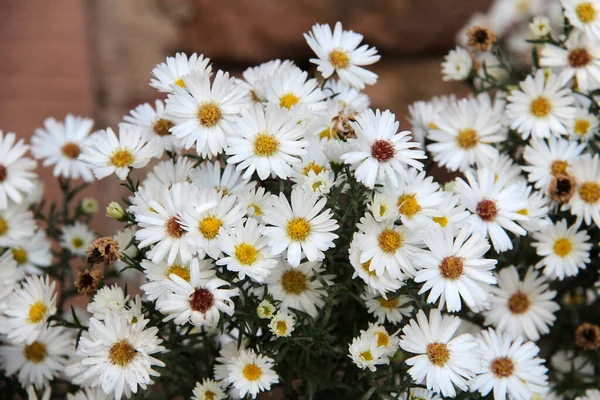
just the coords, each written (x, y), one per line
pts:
(209, 175)
(586, 201)
(257, 79)
(34, 253)
(106, 153)
(158, 274)
(265, 309)
(251, 373)
(155, 123)
(542, 108)
(365, 352)
(457, 65)
(291, 89)
(109, 299)
(208, 390)
(540, 27)
(16, 224)
(584, 15)
(172, 71)
(338, 52)
(441, 362)
(320, 183)
(383, 207)
(391, 309)
(77, 238)
(423, 114)
(585, 126)
(60, 144)
(255, 201)
(375, 283)
(282, 324)
(382, 153)
(17, 178)
(565, 250)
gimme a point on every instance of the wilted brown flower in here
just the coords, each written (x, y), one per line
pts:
(87, 282)
(481, 38)
(587, 336)
(104, 250)
(562, 188)
(340, 125)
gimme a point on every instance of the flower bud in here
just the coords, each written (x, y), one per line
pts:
(115, 211)
(89, 205)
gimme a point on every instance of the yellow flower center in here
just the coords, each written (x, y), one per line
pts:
(366, 266)
(265, 145)
(582, 126)
(71, 150)
(540, 107)
(503, 367)
(294, 282)
(179, 82)
(3, 226)
(257, 209)
(288, 100)
(366, 356)
(312, 166)
(281, 327)
(20, 255)
(442, 221)
(121, 353)
(339, 59)
(559, 167)
(209, 114)
(77, 242)
(408, 205)
(37, 312)
(325, 134)
(122, 158)
(252, 372)
(590, 192)
(519, 303)
(245, 253)
(562, 247)
(438, 353)
(35, 352)
(209, 227)
(298, 229)
(586, 12)
(383, 339)
(387, 303)
(467, 138)
(390, 240)
(180, 271)
(452, 267)
(209, 395)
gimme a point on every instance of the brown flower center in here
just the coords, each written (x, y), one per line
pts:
(121, 353)
(162, 126)
(71, 150)
(452, 267)
(202, 300)
(467, 138)
(519, 303)
(559, 167)
(587, 336)
(35, 352)
(383, 150)
(503, 367)
(294, 281)
(562, 188)
(174, 228)
(3, 173)
(487, 210)
(438, 353)
(540, 107)
(579, 58)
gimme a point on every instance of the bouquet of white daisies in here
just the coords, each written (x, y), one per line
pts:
(280, 236)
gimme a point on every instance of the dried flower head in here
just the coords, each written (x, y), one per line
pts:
(562, 188)
(104, 250)
(340, 125)
(481, 38)
(87, 282)
(587, 336)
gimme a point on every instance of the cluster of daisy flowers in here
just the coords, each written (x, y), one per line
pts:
(281, 235)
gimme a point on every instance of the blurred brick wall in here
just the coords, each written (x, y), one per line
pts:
(94, 57)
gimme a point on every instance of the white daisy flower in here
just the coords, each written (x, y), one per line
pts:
(158, 273)
(454, 268)
(251, 373)
(320, 183)
(441, 362)
(388, 247)
(118, 354)
(509, 367)
(39, 361)
(282, 324)
(365, 353)
(584, 15)
(417, 199)
(16, 171)
(302, 226)
(422, 115)
(383, 153)
(162, 225)
(16, 225)
(383, 207)
(203, 113)
(208, 390)
(77, 238)
(247, 250)
(521, 307)
(579, 59)
(586, 201)
(542, 108)
(265, 309)
(585, 127)
(255, 201)
(155, 123)
(33, 254)
(256, 79)
(298, 287)
(204, 226)
(565, 250)
(229, 351)
(494, 205)
(451, 212)
(465, 132)
(548, 158)
(9, 277)
(386, 342)
(338, 52)
(106, 153)
(174, 69)
(108, 300)
(28, 309)
(457, 65)
(313, 159)
(292, 88)
(267, 141)
(199, 301)
(60, 144)
(391, 308)
(375, 283)
(540, 27)
(209, 175)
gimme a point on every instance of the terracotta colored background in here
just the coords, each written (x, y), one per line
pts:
(94, 57)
